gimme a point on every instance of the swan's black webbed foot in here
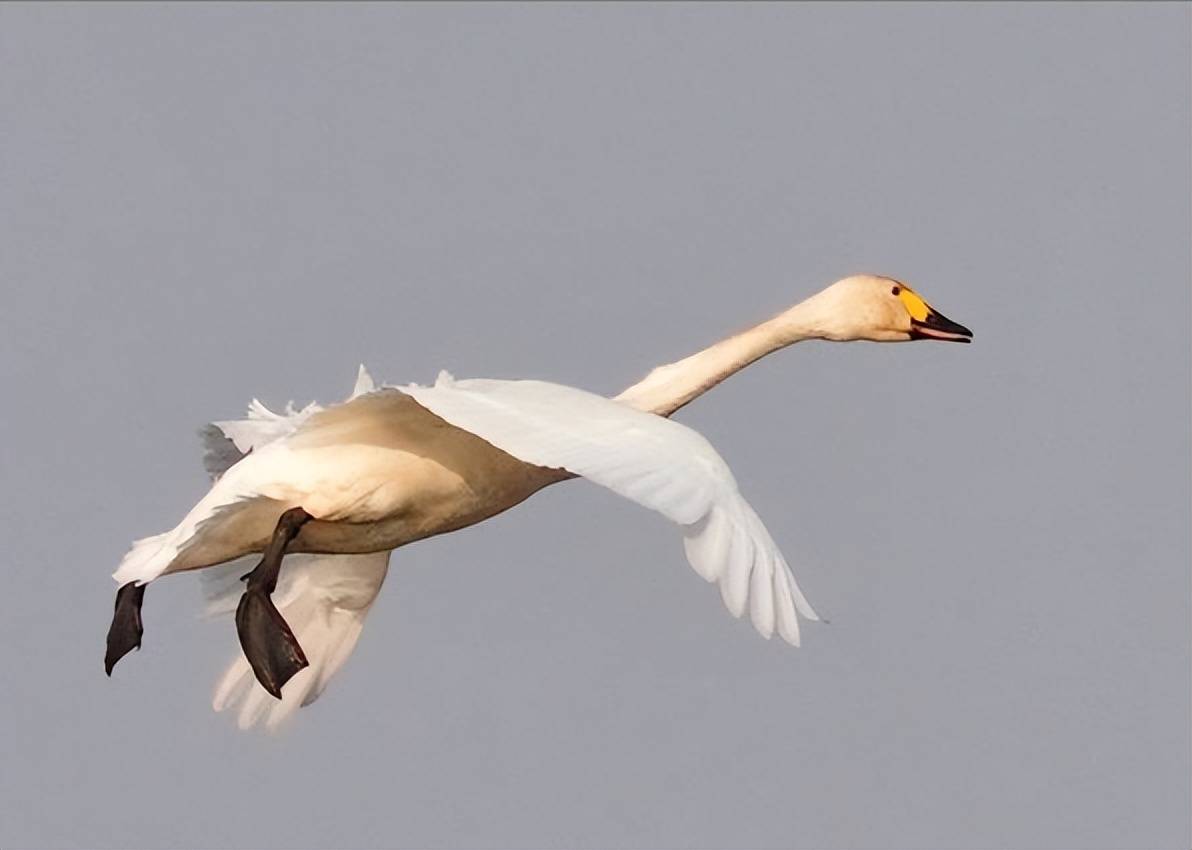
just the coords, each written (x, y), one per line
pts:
(267, 640)
(124, 635)
(268, 643)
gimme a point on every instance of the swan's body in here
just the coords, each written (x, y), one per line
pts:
(393, 465)
(376, 472)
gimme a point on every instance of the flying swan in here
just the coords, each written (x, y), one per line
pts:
(334, 490)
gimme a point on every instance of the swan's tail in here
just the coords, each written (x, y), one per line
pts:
(147, 558)
(225, 517)
(325, 599)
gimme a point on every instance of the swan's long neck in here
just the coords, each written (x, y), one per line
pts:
(669, 387)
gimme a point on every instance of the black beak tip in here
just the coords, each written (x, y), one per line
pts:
(940, 327)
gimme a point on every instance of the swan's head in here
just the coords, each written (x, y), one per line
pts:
(880, 309)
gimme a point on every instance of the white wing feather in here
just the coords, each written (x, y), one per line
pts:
(656, 462)
(325, 599)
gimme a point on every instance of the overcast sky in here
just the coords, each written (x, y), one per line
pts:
(201, 204)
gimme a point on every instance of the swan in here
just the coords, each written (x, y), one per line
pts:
(333, 490)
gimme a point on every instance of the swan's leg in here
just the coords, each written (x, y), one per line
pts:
(268, 643)
(124, 635)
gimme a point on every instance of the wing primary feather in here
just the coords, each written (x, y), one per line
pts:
(761, 595)
(707, 544)
(788, 622)
(734, 583)
(801, 603)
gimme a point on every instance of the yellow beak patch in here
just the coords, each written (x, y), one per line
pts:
(915, 305)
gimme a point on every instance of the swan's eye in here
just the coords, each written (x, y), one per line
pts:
(896, 290)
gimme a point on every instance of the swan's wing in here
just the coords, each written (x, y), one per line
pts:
(325, 599)
(654, 461)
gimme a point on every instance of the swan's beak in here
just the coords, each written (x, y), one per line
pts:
(938, 326)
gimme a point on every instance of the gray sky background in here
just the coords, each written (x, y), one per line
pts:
(199, 204)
